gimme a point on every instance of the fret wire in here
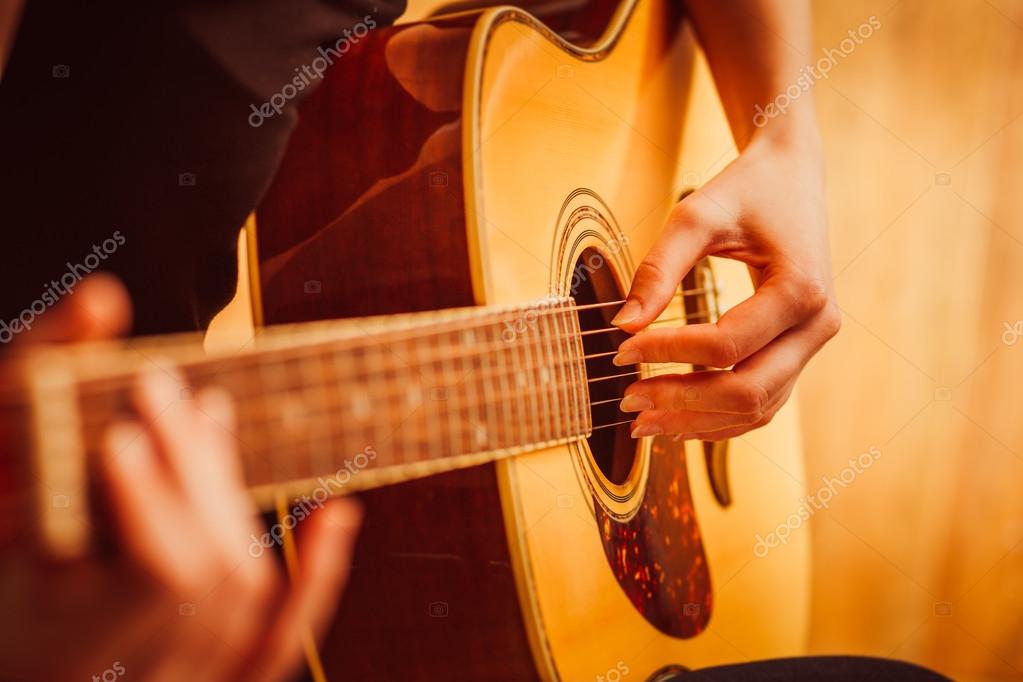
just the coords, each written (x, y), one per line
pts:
(271, 375)
(571, 402)
(523, 382)
(316, 391)
(372, 359)
(449, 402)
(511, 408)
(494, 434)
(345, 370)
(468, 378)
(557, 368)
(535, 351)
(556, 419)
(424, 421)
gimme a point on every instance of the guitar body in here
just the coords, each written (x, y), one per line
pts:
(480, 158)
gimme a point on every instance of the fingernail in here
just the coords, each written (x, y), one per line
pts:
(627, 357)
(636, 403)
(644, 430)
(629, 312)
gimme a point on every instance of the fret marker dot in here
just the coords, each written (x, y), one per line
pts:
(480, 434)
(360, 406)
(414, 395)
(292, 413)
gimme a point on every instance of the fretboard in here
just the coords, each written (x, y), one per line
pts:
(348, 404)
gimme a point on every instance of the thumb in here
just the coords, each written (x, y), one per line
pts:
(98, 308)
(686, 238)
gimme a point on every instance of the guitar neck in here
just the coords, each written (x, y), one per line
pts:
(341, 406)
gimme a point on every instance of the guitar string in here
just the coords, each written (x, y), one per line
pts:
(207, 367)
(576, 416)
(306, 442)
(566, 309)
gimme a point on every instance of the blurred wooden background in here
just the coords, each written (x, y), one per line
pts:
(921, 557)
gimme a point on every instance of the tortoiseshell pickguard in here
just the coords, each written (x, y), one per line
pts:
(657, 556)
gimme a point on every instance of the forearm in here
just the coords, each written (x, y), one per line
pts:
(757, 50)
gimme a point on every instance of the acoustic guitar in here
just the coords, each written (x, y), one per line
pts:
(433, 271)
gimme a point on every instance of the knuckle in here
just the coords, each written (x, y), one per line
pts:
(651, 271)
(831, 320)
(753, 399)
(809, 295)
(724, 351)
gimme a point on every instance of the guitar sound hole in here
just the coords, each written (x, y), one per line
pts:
(613, 449)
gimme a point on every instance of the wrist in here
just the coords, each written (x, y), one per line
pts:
(792, 130)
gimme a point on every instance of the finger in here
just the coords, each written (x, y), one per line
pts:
(99, 308)
(782, 302)
(153, 528)
(691, 228)
(656, 422)
(197, 443)
(325, 547)
(758, 387)
(704, 391)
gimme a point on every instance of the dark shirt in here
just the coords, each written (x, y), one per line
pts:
(134, 141)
